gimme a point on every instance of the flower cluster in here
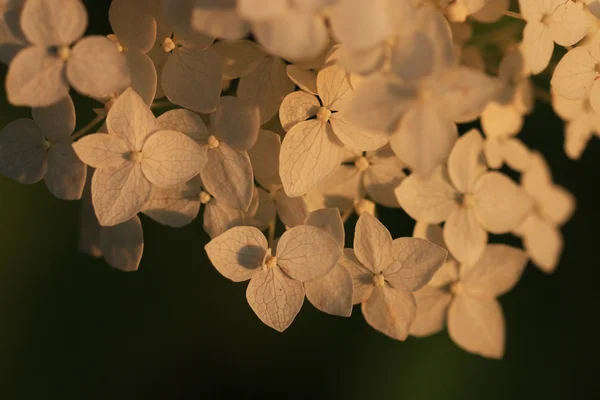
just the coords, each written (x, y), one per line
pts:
(303, 112)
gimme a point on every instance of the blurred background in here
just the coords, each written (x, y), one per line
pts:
(73, 328)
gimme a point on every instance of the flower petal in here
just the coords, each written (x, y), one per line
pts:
(463, 235)
(123, 244)
(131, 120)
(56, 121)
(236, 122)
(174, 206)
(538, 46)
(390, 311)
(373, 244)
(466, 162)
(22, 154)
(138, 36)
(53, 23)
(432, 307)
(574, 75)
(65, 174)
(238, 57)
(332, 293)
(101, 150)
(297, 107)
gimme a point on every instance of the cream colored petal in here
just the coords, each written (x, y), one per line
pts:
(53, 23)
(517, 155)
(494, 152)
(266, 211)
(65, 173)
(175, 206)
(266, 87)
(466, 162)
(131, 120)
(238, 253)
(500, 204)
(382, 179)
(238, 57)
(429, 200)
(219, 217)
(264, 156)
(330, 221)
(56, 121)
(143, 75)
(138, 36)
(119, 193)
(463, 235)
(275, 297)
(354, 137)
(543, 242)
(184, 121)
(432, 307)
(101, 150)
(89, 228)
(292, 211)
(22, 152)
(297, 107)
(415, 261)
(390, 311)
(123, 244)
(192, 79)
(538, 178)
(501, 120)
(373, 244)
(577, 136)
(332, 293)
(574, 75)
(340, 189)
(492, 11)
(309, 153)
(424, 139)
(222, 21)
(477, 326)
(95, 68)
(534, 10)
(306, 253)
(35, 78)
(558, 205)
(497, 271)
(12, 39)
(362, 277)
(228, 176)
(569, 24)
(334, 88)
(538, 46)
(305, 79)
(236, 122)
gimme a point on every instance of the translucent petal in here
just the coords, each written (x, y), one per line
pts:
(53, 23)
(577, 136)
(390, 311)
(266, 211)
(101, 150)
(219, 18)
(354, 137)
(56, 121)
(35, 79)
(292, 211)
(138, 36)
(238, 253)
(330, 221)
(332, 293)
(538, 46)
(414, 59)
(219, 217)
(131, 120)
(569, 24)
(22, 152)
(574, 75)
(238, 57)
(477, 326)
(264, 156)
(382, 179)
(143, 75)
(500, 120)
(517, 155)
(362, 277)
(184, 121)
(236, 122)
(466, 162)
(340, 189)
(463, 235)
(373, 244)
(306, 253)
(175, 206)
(360, 24)
(309, 153)
(123, 244)
(432, 307)
(275, 297)
(96, 68)
(297, 107)
(305, 79)
(192, 79)
(334, 88)
(65, 173)
(118, 194)
(543, 242)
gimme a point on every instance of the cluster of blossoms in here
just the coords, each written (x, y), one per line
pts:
(335, 107)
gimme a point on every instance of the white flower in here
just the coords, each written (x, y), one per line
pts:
(12, 39)
(40, 74)
(386, 272)
(276, 290)
(470, 199)
(132, 157)
(31, 150)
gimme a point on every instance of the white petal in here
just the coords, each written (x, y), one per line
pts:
(53, 23)
(266, 86)
(35, 78)
(477, 326)
(65, 173)
(22, 154)
(466, 162)
(354, 137)
(463, 235)
(500, 120)
(118, 194)
(330, 221)
(138, 36)
(192, 79)
(56, 121)
(306, 253)
(275, 298)
(143, 75)
(184, 121)
(538, 46)
(130, 119)
(264, 156)
(238, 57)
(219, 217)
(174, 206)
(123, 244)
(500, 205)
(424, 139)
(496, 272)
(238, 253)
(305, 79)
(362, 277)
(236, 122)
(96, 68)
(266, 211)
(390, 311)
(543, 242)
(332, 293)
(517, 155)
(574, 75)
(297, 107)
(101, 150)
(415, 261)
(373, 244)
(223, 21)
(382, 179)
(430, 199)
(569, 24)
(309, 153)
(292, 211)
(227, 175)
(432, 307)
(334, 88)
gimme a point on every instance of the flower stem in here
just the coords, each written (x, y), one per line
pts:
(87, 128)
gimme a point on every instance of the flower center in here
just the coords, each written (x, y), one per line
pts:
(546, 19)
(204, 197)
(46, 144)
(425, 95)
(362, 164)
(213, 142)
(323, 114)
(168, 45)
(63, 52)
(457, 288)
(378, 280)
(270, 261)
(364, 205)
(465, 199)
(136, 157)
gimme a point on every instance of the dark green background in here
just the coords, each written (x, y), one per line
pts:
(72, 328)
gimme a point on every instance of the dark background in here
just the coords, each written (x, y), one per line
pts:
(73, 328)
